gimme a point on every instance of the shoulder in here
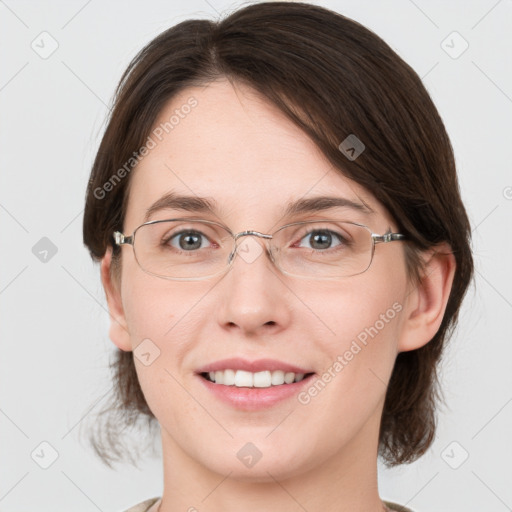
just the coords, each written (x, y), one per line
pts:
(143, 506)
(395, 507)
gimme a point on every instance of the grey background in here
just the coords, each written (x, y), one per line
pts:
(54, 327)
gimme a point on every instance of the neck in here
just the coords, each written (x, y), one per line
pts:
(344, 482)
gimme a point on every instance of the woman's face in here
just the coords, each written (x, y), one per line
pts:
(241, 152)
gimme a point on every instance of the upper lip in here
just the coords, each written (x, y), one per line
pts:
(260, 365)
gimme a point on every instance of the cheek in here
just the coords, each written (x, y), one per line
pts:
(365, 308)
(358, 357)
(364, 321)
(157, 309)
(147, 316)
(161, 325)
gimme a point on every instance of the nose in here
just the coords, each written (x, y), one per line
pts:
(253, 297)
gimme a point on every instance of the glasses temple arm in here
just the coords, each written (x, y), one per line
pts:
(121, 239)
(387, 237)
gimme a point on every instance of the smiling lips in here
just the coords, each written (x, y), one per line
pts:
(264, 379)
(263, 373)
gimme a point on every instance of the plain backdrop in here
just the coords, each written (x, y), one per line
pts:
(54, 326)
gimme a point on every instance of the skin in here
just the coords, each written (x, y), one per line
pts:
(237, 148)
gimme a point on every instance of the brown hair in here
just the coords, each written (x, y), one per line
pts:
(332, 77)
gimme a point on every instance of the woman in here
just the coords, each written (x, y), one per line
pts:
(299, 254)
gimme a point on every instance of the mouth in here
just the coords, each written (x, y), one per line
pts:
(247, 385)
(247, 379)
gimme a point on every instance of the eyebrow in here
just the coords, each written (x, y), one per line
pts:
(187, 203)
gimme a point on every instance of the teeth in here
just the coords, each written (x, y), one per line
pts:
(289, 377)
(277, 378)
(228, 378)
(219, 377)
(265, 379)
(242, 379)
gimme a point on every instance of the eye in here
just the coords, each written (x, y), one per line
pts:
(323, 238)
(186, 240)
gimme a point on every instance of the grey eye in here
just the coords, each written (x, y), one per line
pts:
(188, 240)
(322, 238)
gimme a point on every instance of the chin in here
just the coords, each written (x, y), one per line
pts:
(261, 469)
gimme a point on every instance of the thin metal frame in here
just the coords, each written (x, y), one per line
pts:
(122, 239)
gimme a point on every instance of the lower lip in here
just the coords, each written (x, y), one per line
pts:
(252, 399)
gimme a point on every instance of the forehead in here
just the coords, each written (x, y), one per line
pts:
(227, 143)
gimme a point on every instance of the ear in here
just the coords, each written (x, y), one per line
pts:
(118, 331)
(426, 301)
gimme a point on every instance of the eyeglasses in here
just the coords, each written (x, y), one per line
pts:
(192, 249)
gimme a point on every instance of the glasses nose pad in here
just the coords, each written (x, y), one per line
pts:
(232, 254)
(270, 251)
